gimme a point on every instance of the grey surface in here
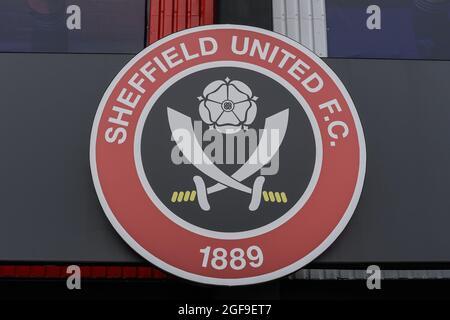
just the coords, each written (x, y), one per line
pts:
(404, 212)
(49, 210)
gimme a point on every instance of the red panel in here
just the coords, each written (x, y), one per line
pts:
(54, 272)
(158, 274)
(21, 271)
(181, 15)
(98, 272)
(153, 34)
(114, 272)
(37, 271)
(188, 13)
(87, 272)
(207, 12)
(168, 16)
(194, 17)
(7, 271)
(129, 272)
(144, 272)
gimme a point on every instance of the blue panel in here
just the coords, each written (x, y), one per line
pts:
(107, 26)
(410, 29)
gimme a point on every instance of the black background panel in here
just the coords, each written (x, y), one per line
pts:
(257, 13)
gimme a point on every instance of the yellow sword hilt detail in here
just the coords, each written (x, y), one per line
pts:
(272, 196)
(183, 196)
(268, 196)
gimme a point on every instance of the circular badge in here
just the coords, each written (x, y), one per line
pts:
(227, 155)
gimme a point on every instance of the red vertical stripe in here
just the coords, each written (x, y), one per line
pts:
(168, 17)
(181, 15)
(207, 12)
(195, 13)
(162, 10)
(154, 21)
(188, 13)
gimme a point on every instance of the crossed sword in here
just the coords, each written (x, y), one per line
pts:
(181, 124)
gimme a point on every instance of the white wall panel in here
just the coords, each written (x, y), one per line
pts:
(302, 20)
(279, 16)
(319, 27)
(306, 24)
(292, 19)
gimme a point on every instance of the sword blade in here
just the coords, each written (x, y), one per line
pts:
(255, 162)
(181, 127)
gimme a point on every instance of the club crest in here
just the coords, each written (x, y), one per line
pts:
(227, 155)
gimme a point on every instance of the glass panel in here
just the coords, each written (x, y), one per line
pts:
(400, 29)
(107, 26)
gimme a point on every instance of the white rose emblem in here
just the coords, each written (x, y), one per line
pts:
(227, 105)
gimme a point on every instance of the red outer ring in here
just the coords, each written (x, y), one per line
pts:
(178, 247)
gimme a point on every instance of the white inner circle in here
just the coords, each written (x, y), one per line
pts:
(217, 234)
